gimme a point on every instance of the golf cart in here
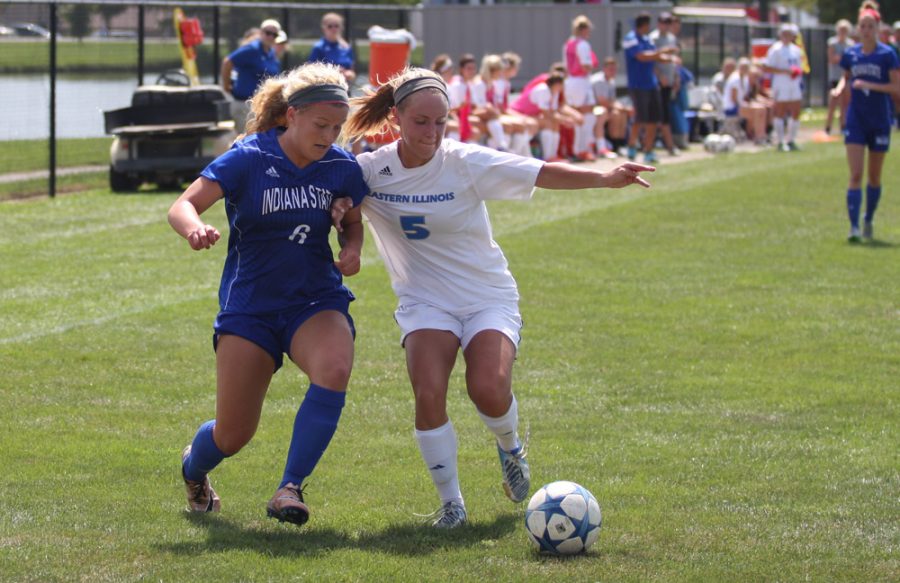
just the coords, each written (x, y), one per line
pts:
(169, 134)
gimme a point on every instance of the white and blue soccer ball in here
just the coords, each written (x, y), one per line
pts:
(563, 518)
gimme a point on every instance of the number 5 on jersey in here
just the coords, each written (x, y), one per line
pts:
(414, 227)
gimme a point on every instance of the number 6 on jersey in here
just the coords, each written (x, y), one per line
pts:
(414, 226)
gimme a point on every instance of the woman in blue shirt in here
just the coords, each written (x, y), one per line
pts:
(332, 48)
(872, 72)
(245, 68)
(281, 290)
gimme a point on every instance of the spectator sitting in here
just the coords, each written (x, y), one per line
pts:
(471, 127)
(498, 98)
(443, 66)
(718, 80)
(610, 110)
(738, 105)
(540, 99)
(481, 108)
(332, 48)
(511, 63)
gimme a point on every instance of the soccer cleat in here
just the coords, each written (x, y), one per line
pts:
(287, 505)
(782, 147)
(200, 495)
(854, 236)
(516, 474)
(585, 157)
(450, 515)
(607, 153)
(793, 147)
(632, 153)
(650, 158)
(868, 231)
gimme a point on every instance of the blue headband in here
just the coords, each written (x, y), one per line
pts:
(319, 94)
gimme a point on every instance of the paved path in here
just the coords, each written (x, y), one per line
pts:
(45, 174)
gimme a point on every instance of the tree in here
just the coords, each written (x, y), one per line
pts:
(79, 17)
(833, 10)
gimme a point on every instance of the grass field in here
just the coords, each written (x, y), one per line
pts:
(709, 357)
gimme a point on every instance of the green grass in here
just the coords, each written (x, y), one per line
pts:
(27, 155)
(709, 357)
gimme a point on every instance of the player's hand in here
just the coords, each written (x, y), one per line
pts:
(203, 237)
(627, 174)
(860, 84)
(796, 72)
(348, 261)
(339, 208)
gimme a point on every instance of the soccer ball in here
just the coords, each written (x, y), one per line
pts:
(719, 143)
(563, 518)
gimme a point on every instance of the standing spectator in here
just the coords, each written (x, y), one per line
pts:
(251, 63)
(837, 44)
(680, 103)
(332, 48)
(667, 73)
(282, 45)
(784, 62)
(641, 57)
(580, 61)
(617, 114)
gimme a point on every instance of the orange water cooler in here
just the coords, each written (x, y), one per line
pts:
(389, 52)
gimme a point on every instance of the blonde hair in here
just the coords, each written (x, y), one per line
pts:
(843, 23)
(373, 113)
(511, 59)
(330, 17)
(580, 23)
(270, 102)
(491, 65)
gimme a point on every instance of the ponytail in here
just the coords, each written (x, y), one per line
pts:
(373, 115)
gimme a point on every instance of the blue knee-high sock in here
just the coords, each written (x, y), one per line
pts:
(873, 195)
(854, 201)
(205, 454)
(314, 426)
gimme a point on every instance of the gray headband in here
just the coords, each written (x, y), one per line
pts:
(409, 87)
(318, 94)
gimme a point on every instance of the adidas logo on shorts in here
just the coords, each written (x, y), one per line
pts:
(272, 172)
(386, 171)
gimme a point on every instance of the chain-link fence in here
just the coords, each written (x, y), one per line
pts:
(62, 64)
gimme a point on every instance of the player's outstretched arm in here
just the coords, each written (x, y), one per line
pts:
(562, 176)
(184, 214)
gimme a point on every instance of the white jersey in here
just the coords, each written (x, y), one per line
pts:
(431, 225)
(785, 56)
(742, 85)
(456, 91)
(478, 90)
(499, 90)
(544, 98)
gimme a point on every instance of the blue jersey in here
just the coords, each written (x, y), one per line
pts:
(252, 63)
(332, 52)
(279, 215)
(870, 109)
(641, 74)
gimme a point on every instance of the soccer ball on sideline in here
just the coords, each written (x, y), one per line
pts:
(563, 518)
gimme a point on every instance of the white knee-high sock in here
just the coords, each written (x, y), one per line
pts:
(549, 145)
(519, 144)
(588, 131)
(793, 126)
(505, 427)
(578, 142)
(778, 122)
(495, 129)
(438, 449)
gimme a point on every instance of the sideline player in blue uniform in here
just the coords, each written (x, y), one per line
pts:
(281, 290)
(872, 71)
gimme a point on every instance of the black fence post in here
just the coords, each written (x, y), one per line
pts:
(216, 34)
(54, 24)
(140, 44)
(721, 41)
(697, 52)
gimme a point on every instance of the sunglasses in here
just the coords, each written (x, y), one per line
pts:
(330, 26)
(270, 33)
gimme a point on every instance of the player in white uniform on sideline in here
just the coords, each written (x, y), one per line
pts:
(427, 214)
(784, 62)
(580, 62)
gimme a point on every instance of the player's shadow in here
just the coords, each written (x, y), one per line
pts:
(287, 540)
(878, 244)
